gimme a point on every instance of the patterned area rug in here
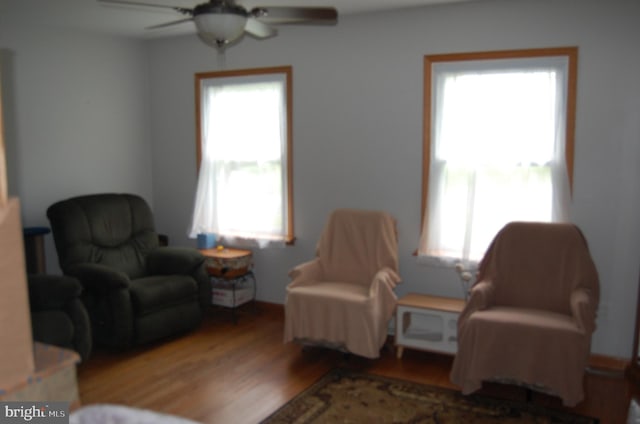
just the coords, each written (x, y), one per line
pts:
(343, 396)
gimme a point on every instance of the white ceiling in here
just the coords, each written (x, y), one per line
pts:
(132, 20)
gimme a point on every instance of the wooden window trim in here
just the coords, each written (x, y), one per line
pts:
(571, 53)
(287, 71)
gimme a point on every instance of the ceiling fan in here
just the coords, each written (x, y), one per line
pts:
(221, 22)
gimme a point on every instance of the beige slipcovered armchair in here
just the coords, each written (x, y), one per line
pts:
(531, 312)
(344, 297)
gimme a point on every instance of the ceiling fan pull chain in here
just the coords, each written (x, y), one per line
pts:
(222, 57)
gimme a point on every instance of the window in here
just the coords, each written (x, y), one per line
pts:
(244, 190)
(498, 146)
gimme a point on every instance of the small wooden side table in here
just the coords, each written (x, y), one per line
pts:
(428, 323)
(228, 269)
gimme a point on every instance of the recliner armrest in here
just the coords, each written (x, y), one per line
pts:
(98, 278)
(51, 291)
(173, 260)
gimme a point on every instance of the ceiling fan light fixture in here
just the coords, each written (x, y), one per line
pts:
(222, 27)
(220, 23)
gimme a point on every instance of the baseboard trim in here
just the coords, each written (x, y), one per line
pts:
(608, 363)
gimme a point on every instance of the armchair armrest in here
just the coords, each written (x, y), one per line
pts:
(480, 297)
(173, 260)
(381, 291)
(97, 277)
(385, 280)
(305, 273)
(583, 309)
(482, 293)
(52, 291)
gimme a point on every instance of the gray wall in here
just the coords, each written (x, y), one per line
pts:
(77, 117)
(94, 113)
(358, 129)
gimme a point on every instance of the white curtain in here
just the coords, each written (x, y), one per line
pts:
(241, 192)
(497, 154)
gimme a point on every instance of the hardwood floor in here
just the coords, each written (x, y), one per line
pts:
(226, 373)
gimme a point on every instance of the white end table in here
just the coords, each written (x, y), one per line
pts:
(428, 323)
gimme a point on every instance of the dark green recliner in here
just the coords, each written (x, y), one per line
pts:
(134, 290)
(58, 317)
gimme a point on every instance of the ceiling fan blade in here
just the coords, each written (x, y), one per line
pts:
(183, 10)
(296, 15)
(259, 29)
(167, 24)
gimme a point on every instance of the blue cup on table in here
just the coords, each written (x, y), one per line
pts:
(206, 240)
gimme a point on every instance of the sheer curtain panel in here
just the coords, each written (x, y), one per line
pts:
(241, 192)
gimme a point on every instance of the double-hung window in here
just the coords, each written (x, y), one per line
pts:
(498, 146)
(244, 191)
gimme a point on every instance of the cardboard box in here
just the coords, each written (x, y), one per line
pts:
(222, 293)
(16, 353)
(54, 378)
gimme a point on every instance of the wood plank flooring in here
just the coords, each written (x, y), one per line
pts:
(226, 373)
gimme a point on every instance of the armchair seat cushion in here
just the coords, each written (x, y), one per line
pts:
(151, 294)
(330, 291)
(506, 319)
(345, 309)
(530, 336)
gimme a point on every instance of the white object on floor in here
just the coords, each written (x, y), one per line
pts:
(116, 414)
(634, 413)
